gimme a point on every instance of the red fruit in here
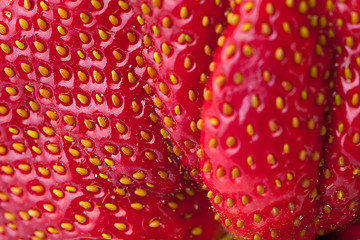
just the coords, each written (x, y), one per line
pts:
(339, 181)
(349, 232)
(184, 36)
(81, 153)
(263, 119)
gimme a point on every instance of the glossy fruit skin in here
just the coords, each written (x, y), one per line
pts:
(81, 150)
(263, 120)
(348, 232)
(184, 38)
(339, 181)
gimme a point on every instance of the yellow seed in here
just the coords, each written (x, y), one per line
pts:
(173, 79)
(247, 50)
(304, 32)
(44, 71)
(137, 206)
(11, 91)
(197, 231)
(37, 189)
(157, 57)
(83, 99)
(279, 103)
(63, 13)
(58, 193)
(7, 169)
(131, 37)
(338, 100)
(302, 154)
(70, 189)
(26, 67)
(97, 55)
(187, 63)
(103, 35)
(154, 223)
(39, 46)
(250, 160)
(24, 24)
(82, 171)
(347, 73)
(113, 20)
(218, 199)
(24, 215)
(3, 29)
(42, 24)
(6, 48)
(245, 199)
(49, 207)
(127, 151)
(145, 8)
(61, 30)
(111, 207)
(67, 226)
(19, 147)
(124, 5)
(265, 29)
(96, 4)
(270, 9)
(303, 7)
(97, 76)
(16, 190)
(233, 19)
(279, 54)
(313, 72)
(278, 183)
(131, 77)
(9, 71)
(286, 27)
(257, 217)
(106, 236)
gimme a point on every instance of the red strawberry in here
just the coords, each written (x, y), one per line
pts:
(339, 183)
(81, 153)
(350, 232)
(263, 119)
(184, 36)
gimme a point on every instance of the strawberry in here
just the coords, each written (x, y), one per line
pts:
(339, 182)
(263, 119)
(81, 150)
(184, 36)
(349, 232)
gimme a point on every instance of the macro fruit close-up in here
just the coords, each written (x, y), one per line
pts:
(179, 119)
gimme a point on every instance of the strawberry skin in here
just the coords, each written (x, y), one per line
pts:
(81, 150)
(263, 119)
(184, 36)
(349, 232)
(339, 182)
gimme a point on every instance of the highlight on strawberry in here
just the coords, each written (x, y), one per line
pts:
(187, 120)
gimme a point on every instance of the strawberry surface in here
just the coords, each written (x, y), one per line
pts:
(184, 36)
(339, 182)
(349, 232)
(264, 119)
(81, 149)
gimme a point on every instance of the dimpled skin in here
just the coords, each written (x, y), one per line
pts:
(184, 36)
(81, 150)
(263, 119)
(339, 180)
